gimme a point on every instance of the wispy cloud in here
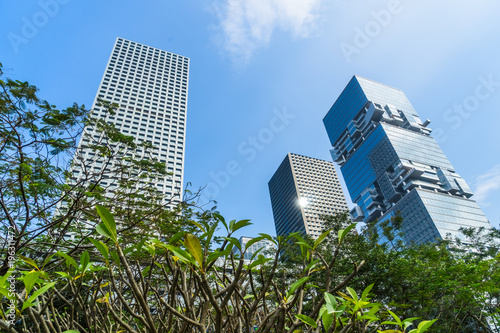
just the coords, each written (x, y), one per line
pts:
(246, 25)
(487, 183)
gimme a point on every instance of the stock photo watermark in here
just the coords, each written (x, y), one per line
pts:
(459, 112)
(363, 37)
(32, 24)
(249, 150)
(10, 314)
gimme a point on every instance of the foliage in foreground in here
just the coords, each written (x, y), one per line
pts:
(454, 281)
(184, 285)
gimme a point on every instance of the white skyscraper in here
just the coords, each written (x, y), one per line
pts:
(150, 86)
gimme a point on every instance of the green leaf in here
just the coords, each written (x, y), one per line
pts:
(262, 260)
(229, 247)
(114, 255)
(47, 260)
(8, 294)
(194, 247)
(311, 265)
(4, 278)
(103, 230)
(28, 261)
(150, 248)
(423, 326)
(330, 299)
(303, 244)
(84, 261)
(373, 310)
(296, 285)
(231, 225)
(210, 233)
(215, 255)
(29, 281)
(71, 331)
(353, 294)
(199, 226)
(367, 316)
(146, 270)
(256, 253)
(253, 241)
(37, 293)
(234, 241)
(329, 308)
(408, 322)
(283, 239)
(175, 238)
(69, 260)
(321, 238)
(361, 304)
(103, 249)
(268, 237)
(365, 293)
(108, 227)
(183, 255)
(344, 232)
(308, 320)
(64, 275)
(396, 318)
(220, 218)
(241, 224)
(299, 238)
(327, 319)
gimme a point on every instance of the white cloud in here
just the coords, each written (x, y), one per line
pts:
(246, 25)
(487, 183)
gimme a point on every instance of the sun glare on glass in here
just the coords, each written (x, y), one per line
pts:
(303, 201)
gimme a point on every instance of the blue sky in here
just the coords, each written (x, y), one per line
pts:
(265, 72)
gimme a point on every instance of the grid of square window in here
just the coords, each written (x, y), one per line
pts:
(151, 87)
(316, 182)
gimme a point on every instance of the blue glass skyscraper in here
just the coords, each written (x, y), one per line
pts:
(391, 163)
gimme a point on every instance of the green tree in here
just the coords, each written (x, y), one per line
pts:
(48, 187)
(456, 282)
(184, 284)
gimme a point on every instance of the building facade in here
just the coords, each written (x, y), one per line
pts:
(263, 247)
(391, 163)
(303, 190)
(151, 87)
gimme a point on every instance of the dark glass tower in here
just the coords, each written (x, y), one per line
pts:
(391, 163)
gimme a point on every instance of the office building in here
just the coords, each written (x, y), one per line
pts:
(391, 163)
(150, 86)
(303, 190)
(263, 247)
